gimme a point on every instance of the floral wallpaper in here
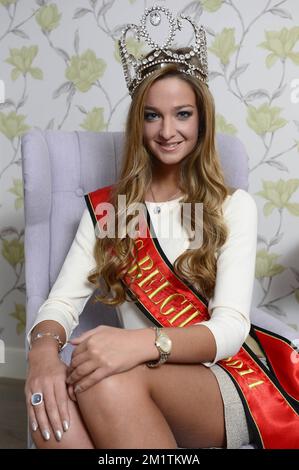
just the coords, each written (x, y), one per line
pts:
(61, 70)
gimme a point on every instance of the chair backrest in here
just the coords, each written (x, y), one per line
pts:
(58, 169)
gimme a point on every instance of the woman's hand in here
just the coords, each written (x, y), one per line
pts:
(104, 351)
(47, 375)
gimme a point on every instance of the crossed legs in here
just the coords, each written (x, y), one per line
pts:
(175, 405)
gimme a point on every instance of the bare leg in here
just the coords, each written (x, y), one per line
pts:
(120, 413)
(76, 437)
(170, 406)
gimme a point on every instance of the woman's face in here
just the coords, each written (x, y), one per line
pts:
(171, 120)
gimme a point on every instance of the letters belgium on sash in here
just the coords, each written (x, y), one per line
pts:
(270, 395)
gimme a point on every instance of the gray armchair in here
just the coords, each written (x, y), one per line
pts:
(58, 169)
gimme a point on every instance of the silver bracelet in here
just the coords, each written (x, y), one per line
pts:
(52, 335)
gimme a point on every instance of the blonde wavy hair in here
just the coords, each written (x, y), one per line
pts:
(201, 180)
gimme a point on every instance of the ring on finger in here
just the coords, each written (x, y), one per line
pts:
(37, 399)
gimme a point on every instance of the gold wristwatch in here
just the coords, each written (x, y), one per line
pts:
(163, 343)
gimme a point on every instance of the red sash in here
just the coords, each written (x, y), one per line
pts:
(270, 396)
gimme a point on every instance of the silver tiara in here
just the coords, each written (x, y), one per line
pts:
(137, 69)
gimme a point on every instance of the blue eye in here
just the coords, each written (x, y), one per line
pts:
(185, 114)
(150, 116)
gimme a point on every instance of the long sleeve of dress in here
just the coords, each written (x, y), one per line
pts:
(230, 305)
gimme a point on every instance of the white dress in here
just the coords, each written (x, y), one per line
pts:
(229, 308)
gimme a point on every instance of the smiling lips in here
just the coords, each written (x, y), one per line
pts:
(169, 146)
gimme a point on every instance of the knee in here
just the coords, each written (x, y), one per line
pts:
(118, 387)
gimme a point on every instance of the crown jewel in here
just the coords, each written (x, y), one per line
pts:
(194, 62)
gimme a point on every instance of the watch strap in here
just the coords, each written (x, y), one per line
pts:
(163, 355)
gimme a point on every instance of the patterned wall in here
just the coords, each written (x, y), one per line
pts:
(61, 70)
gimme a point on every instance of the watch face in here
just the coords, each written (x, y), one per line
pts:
(164, 343)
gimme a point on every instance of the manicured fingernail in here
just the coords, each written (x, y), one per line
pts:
(58, 435)
(65, 425)
(46, 434)
(34, 426)
(77, 389)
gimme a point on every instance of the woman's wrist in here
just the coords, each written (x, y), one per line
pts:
(46, 343)
(48, 334)
(146, 344)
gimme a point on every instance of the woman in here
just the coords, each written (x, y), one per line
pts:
(112, 395)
